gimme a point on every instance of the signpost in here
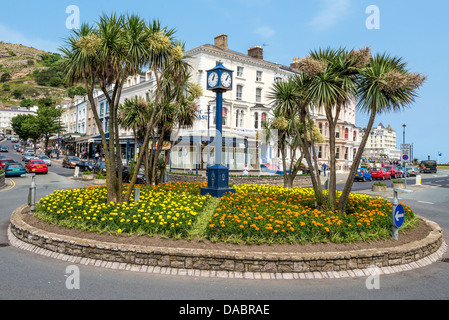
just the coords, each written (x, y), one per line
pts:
(397, 213)
(31, 192)
(405, 157)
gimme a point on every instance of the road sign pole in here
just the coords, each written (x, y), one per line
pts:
(393, 225)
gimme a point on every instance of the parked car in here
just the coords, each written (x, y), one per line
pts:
(411, 171)
(44, 158)
(14, 169)
(100, 167)
(380, 173)
(36, 166)
(394, 171)
(363, 174)
(429, 166)
(27, 156)
(127, 177)
(70, 162)
(4, 149)
(85, 166)
(4, 162)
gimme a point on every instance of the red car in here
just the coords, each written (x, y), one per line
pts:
(3, 162)
(394, 172)
(36, 166)
(380, 173)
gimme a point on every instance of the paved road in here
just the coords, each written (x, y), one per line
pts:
(24, 275)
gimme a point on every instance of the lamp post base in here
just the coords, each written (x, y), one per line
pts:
(217, 181)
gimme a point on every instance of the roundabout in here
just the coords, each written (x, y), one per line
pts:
(417, 247)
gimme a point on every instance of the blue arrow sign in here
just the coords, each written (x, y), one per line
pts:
(398, 216)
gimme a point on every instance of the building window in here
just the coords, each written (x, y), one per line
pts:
(259, 76)
(337, 153)
(346, 133)
(101, 108)
(224, 116)
(337, 132)
(258, 95)
(320, 126)
(242, 117)
(320, 152)
(354, 136)
(239, 71)
(256, 120)
(264, 117)
(239, 92)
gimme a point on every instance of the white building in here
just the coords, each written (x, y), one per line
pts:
(7, 114)
(244, 108)
(382, 143)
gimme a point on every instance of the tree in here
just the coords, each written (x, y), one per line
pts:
(333, 82)
(385, 85)
(25, 126)
(104, 56)
(291, 102)
(47, 123)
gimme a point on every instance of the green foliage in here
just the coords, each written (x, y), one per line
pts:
(5, 77)
(76, 91)
(52, 76)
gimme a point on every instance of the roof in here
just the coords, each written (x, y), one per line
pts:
(245, 56)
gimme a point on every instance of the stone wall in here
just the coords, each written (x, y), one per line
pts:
(300, 181)
(410, 255)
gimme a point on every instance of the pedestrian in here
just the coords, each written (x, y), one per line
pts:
(97, 155)
(245, 170)
(324, 169)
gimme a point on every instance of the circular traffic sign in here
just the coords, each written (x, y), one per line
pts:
(398, 216)
(405, 157)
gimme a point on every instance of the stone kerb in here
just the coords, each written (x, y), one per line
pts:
(2, 180)
(229, 263)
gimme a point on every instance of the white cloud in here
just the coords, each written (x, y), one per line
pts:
(333, 11)
(265, 31)
(9, 35)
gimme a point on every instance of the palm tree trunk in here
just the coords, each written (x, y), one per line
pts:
(333, 165)
(355, 164)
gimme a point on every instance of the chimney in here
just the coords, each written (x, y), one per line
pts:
(221, 41)
(295, 64)
(256, 52)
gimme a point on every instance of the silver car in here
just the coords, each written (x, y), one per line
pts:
(44, 158)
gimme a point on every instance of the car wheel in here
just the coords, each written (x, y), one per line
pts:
(363, 179)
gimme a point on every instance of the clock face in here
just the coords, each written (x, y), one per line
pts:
(212, 80)
(226, 79)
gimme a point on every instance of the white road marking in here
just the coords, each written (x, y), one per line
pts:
(426, 202)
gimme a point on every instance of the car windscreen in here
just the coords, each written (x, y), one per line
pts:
(15, 165)
(375, 169)
(37, 162)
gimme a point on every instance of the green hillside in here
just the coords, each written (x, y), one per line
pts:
(28, 74)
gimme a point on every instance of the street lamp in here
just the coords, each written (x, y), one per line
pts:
(403, 138)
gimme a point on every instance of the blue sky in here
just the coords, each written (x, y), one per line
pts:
(415, 30)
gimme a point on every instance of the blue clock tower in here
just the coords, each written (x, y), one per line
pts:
(219, 80)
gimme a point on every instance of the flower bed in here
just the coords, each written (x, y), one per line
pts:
(272, 213)
(254, 214)
(165, 210)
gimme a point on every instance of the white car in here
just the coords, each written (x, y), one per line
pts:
(44, 158)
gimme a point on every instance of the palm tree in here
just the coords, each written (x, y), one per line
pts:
(385, 85)
(291, 102)
(106, 55)
(166, 61)
(332, 83)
